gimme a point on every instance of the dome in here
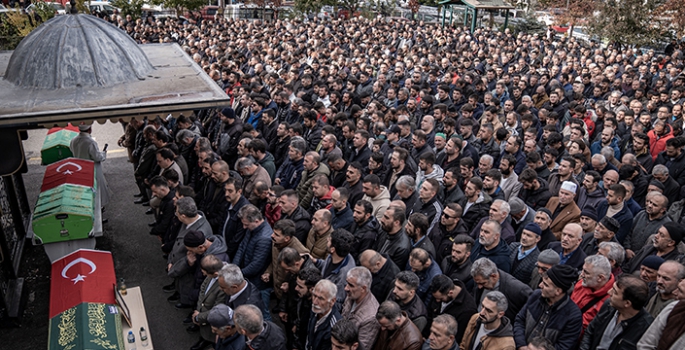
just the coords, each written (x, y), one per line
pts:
(74, 51)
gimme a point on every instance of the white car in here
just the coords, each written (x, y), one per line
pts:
(59, 8)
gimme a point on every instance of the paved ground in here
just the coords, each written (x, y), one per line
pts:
(137, 257)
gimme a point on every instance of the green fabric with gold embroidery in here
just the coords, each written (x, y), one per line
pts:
(87, 326)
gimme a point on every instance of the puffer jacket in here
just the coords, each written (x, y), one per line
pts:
(342, 219)
(365, 236)
(254, 254)
(304, 189)
(501, 338)
(406, 337)
(563, 326)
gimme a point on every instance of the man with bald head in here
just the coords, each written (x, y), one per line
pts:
(383, 271)
(667, 278)
(569, 246)
(647, 222)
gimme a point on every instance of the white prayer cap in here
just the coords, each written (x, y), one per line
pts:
(569, 186)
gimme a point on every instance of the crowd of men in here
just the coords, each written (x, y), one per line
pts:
(387, 185)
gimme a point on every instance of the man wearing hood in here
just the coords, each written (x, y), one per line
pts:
(377, 195)
(490, 329)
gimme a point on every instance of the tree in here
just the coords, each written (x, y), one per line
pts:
(674, 15)
(179, 5)
(17, 24)
(309, 7)
(629, 22)
(134, 8)
(570, 12)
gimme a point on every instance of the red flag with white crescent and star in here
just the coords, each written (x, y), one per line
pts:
(73, 171)
(83, 276)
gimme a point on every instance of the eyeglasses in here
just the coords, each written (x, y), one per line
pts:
(448, 216)
(543, 268)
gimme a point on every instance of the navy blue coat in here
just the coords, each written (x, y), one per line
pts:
(233, 230)
(624, 217)
(290, 173)
(320, 339)
(499, 255)
(254, 254)
(342, 219)
(562, 326)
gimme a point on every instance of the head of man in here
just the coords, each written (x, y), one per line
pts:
(392, 220)
(557, 281)
(371, 185)
(165, 158)
(530, 236)
(419, 260)
(490, 232)
(443, 332)
(283, 232)
(358, 283)
(606, 229)
(499, 210)
(306, 280)
(345, 335)
(571, 236)
(656, 205)
(616, 194)
(429, 189)
(668, 237)
(321, 221)
(405, 186)
(596, 272)
(406, 284)
(543, 218)
(231, 279)
(493, 307)
(159, 186)
(220, 319)
(629, 292)
(288, 201)
(567, 193)
(250, 216)
(323, 297)
(354, 173)
(389, 316)
(668, 276)
(461, 249)
(485, 274)
(186, 210)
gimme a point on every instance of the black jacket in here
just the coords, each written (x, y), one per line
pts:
(364, 237)
(431, 209)
(476, 212)
(461, 308)
(216, 209)
(633, 329)
(397, 246)
(499, 255)
(232, 228)
(384, 280)
(279, 149)
(320, 338)
(166, 212)
(676, 166)
(302, 222)
(576, 260)
(442, 239)
(356, 192)
(536, 199)
(272, 338)
(251, 295)
(361, 156)
(458, 272)
(516, 292)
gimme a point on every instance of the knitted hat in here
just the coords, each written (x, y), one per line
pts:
(675, 231)
(563, 276)
(194, 239)
(220, 316)
(653, 262)
(589, 212)
(549, 256)
(610, 223)
(533, 227)
(228, 112)
(658, 185)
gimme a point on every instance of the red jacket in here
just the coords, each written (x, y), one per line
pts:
(584, 295)
(658, 143)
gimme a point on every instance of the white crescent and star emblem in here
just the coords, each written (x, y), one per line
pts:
(69, 172)
(79, 277)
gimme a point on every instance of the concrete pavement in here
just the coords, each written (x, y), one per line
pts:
(137, 256)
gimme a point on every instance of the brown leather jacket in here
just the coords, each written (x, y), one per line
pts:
(406, 337)
(501, 338)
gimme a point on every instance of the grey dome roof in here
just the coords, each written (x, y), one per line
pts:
(72, 51)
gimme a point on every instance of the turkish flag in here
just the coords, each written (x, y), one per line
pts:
(73, 171)
(68, 127)
(84, 276)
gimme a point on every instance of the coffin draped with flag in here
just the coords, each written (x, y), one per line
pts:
(65, 207)
(56, 144)
(83, 311)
